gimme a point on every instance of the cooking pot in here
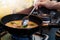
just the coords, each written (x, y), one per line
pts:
(19, 32)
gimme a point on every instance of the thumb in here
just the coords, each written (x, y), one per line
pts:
(36, 3)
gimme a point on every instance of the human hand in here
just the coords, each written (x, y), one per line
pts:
(46, 3)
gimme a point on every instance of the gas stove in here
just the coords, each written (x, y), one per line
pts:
(8, 36)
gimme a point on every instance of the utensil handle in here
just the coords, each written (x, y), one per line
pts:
(32, 11)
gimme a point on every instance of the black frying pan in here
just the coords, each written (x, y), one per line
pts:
(19, 32)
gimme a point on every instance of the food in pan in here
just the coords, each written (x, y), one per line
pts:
(18, 24)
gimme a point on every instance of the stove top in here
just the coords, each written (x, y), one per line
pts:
(9, 37)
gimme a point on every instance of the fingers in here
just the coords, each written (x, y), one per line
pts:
(48, 4)
(39, 3)
(35, 3)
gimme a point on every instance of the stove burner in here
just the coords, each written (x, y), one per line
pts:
(22, 38)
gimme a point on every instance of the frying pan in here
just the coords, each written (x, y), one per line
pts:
(20, 32)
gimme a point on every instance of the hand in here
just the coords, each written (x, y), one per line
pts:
(46, 3)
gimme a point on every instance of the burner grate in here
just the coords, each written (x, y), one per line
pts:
(22, 38)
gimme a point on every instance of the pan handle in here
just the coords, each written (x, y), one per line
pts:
(46, 10)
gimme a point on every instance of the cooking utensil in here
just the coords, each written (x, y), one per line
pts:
(26, 18)
(24, 31)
